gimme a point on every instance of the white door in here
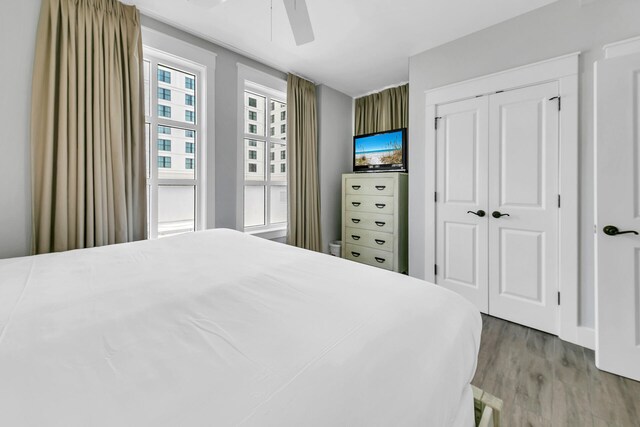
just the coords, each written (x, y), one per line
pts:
(461, 208)
(523, 203)
(618, 206)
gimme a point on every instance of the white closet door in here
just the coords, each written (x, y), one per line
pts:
(461, 236)
(523, 188)
(618, 205)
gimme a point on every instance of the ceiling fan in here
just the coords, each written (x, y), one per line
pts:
(297, 13)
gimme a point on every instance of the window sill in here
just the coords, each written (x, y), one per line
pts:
(269, 233)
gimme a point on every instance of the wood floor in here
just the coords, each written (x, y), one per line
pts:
(545, 381)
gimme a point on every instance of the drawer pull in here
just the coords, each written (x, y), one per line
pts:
(355, 220)
(356, 204)
(380, 187)
(380, 223)
(355, 254)
(380, 205)
(380, 260)
(380, 242)
(354, 237)
(355, 187)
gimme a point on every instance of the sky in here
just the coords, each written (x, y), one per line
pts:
(377, 142)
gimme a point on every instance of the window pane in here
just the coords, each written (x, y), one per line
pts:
(278, 162)
(176, 209)
(280, 122)
(255, 113)
(254, 160)
(176, 153)
(176, 91)
(147, 141)
(253, 205)
(278, 204)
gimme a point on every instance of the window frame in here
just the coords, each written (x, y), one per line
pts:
(275, 91)
(157, 57)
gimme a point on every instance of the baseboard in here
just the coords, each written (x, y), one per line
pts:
(587, 337)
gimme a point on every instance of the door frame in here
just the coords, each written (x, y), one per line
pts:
(564, 70)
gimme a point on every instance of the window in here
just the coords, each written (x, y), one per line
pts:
(283, 155)
(164, 75)
(174, 185)
(283, 168)
(265, 183)
(164, 162)
(189, 83)
(164, 145)
(164, 110)
(283, 128)
(283, 115)
(164, 94)
(189, 116)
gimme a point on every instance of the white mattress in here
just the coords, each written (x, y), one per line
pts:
(220, 328)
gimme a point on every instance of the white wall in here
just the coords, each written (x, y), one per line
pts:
(18, 22)
(560, 28)
(335, 132)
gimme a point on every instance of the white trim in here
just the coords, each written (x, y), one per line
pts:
(564, 70)
(586, 337)
(621, 48)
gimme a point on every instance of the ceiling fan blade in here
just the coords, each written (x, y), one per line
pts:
(206, 4)
(299, 21)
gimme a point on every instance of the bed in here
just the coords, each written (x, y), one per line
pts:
(220, 328)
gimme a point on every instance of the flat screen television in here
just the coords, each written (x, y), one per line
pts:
(380, 152)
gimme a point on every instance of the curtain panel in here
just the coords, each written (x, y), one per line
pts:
(382, 111)
(87, 126)
(302, 142)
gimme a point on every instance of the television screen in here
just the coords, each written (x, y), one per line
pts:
(380, 151)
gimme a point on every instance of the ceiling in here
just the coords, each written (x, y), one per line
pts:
(360, 45)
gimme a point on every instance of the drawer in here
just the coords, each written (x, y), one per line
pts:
(369, 221)
(370, 186)
(375, 204)
(370, 239)
(369, 256)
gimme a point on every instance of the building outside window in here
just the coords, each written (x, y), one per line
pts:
(164, 144)
(174, 186)
(283, 168)
(283, 155)
(283, 128)
(164, 111)
(265, 180)
(283, 115)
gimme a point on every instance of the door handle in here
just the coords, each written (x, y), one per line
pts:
(612, 230)
(479, 213)
(497, 214)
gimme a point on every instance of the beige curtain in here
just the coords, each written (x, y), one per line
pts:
(382, 111)
(87, 126)
(302, 142)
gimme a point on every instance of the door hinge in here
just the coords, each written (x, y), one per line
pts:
(558, 298)
(558, 200)
(435, 196)
(435, 123)
(559, 98)
(435, 269)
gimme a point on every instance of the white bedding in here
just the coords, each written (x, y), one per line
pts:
(219, 328)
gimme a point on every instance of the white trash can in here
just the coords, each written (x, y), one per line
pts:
(335, 248)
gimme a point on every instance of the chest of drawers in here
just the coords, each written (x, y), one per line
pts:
(374, 219)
